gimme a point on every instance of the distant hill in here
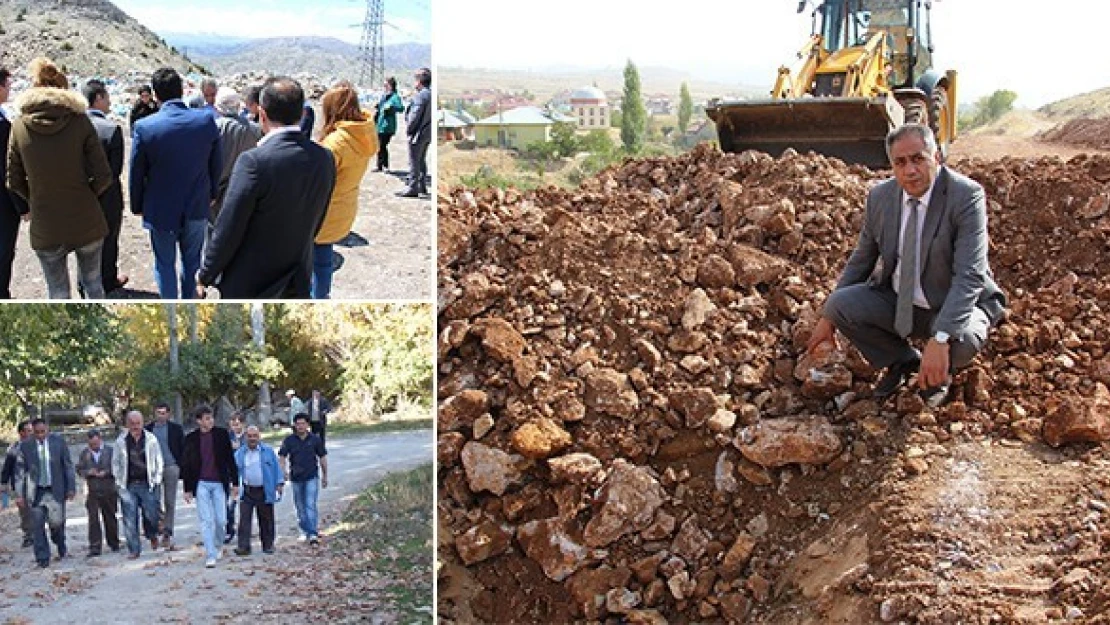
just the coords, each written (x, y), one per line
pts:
(1091, 104)
(322, 56)
(83, 37)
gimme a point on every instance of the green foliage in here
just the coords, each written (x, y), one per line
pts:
(565, 139)
(390, 356)
(989, 109)
(487, 177)
(615, 119)
(44, 348)
(598, 142)
(633, 114)
(685, 108)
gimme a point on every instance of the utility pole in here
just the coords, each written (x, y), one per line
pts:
(371, 52)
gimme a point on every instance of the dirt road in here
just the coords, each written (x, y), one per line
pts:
(393, 260)
(174, 586)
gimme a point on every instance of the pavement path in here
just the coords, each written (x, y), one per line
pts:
(174, 586)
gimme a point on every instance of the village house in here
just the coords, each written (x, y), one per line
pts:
(517, 128)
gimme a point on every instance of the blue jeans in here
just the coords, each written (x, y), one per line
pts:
(305, 495)
(165, 244)
(140, 503)
(322, 270)
(212, 512)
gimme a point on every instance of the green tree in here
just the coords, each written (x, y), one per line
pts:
(633, 114)
(565, 139)
(598, 142)
(989, 109)
(685, 108)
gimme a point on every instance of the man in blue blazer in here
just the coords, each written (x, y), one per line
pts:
(276, 198)
(174, 177)
(919, 270)
(45, 481)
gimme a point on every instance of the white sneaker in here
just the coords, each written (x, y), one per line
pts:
(210, 563)
(303, 538)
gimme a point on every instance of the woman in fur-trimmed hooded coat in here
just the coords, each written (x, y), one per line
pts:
(56, 163)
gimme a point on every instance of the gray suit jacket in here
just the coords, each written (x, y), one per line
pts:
(85, 462)
(111, 139)
(28, 469)
(956, 276)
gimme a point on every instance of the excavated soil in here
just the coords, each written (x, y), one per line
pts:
(1081, 132)
(628, 431)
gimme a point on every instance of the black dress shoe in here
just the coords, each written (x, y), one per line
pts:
(44, 563)
(935, 396)
(896, 375)
(92, 554)
(407, 194)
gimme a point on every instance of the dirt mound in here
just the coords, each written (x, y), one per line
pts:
(627, 427)
(1083, 132)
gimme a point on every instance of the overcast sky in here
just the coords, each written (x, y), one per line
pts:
(406, 20)
(1042, 51)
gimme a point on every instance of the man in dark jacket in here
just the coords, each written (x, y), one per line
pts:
(111, 201)
(94, 464)
(45, 481)
(208, 470)
(418, 119)
(275, 203)
(7, 480)
(12, 207)
(145, 106)
(174, 176)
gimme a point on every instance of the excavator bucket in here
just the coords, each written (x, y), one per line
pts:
(851, 129)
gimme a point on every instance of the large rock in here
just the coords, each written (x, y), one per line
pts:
(1074, 419)
(499, 338)
(483, 541)
(779, 442)
(489, 469)
(823, 374)
(578, 468)
(696, 405)
(550, 544)
(715, 272)
(609, 392)
(737, 557)
(755, 266)
(691, 541)
(697, 309)
(628, 503)
(461, 409)
(540, 438)
(589, 589)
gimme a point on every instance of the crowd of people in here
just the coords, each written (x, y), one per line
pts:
(233, 185)
(224, 470)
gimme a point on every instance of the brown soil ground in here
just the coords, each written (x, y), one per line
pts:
(564, 328)
(394, 265)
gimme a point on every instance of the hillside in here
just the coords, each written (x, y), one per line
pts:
(1091, 104)
(84, 37)
(321, 56)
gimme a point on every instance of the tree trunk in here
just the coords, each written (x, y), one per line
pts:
(175, 357)
(194, 336)
(258, 334)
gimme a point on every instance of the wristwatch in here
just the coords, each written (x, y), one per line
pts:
(941, 337)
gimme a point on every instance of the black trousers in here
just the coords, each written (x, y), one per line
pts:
(109, 254)
(320, 428)
(254, 500)
(101, 503)
(383, 153)
(9, 234)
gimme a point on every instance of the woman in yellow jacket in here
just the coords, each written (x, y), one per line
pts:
(351, 135)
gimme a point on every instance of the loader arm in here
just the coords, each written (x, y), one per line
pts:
(796, 83)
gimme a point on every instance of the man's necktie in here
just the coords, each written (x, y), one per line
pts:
(907, 277)
(44, 468)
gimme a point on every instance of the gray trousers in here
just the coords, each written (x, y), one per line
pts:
(418, 166)
(865, 315)
(170, 476)
(55, 269)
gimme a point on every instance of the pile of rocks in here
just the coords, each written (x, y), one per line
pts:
(589, 339)
(1081, 132)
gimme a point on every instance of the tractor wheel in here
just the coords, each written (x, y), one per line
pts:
(915, 111)
(939, 112)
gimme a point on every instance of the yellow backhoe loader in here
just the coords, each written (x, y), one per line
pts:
(866, 69)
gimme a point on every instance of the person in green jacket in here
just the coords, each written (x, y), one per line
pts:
(386, 117)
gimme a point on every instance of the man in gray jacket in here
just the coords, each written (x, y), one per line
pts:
(418, 120)
(94, 464)
(237, 135)
(111, 201)
(919, 270)
(45, 482)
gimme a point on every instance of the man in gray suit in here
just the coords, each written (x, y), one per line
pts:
(95, 465)
(111, 202)
(418, 118)
(45, 481)
(919, 270)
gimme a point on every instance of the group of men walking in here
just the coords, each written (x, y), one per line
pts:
(220, 469)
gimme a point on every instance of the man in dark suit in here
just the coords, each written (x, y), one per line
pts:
(111, 201)
(94, 464)
(12, 207)
(45, 481)
(174, 177)
(418, 119)
(275, 203)
(171, 441)
(919, 270)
